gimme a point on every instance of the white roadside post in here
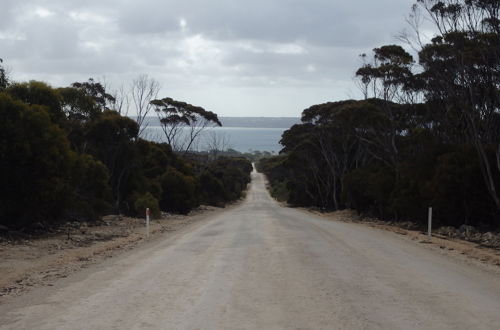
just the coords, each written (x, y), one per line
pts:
(429, 225)
(147, 222)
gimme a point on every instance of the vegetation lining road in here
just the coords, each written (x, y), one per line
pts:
(68, 154)
(427, 133)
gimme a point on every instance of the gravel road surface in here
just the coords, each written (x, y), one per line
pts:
(262, 266)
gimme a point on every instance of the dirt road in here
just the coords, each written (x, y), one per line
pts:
(262, 266)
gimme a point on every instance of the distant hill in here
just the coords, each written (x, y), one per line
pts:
(259, 122)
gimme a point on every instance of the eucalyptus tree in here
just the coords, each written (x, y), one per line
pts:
(309, 183)
(389, 78)
(389, 73)
(183, 123)
(336, 142)
(111, 139)
(42, 94)
(98, 92)
(461, 71)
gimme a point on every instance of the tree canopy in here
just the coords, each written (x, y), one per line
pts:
(427, 133)
(182, 123)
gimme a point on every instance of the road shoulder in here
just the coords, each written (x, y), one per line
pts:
(26, 264)
(463, 251)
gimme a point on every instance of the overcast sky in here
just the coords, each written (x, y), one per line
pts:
(233, 57)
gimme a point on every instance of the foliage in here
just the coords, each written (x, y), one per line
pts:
(39, 93)
(234, 174)
(179, 192)
(368, 190)
(92, 193)
(454, 191)
(182, 123)
(97, 92)
(35, 164)
(212, 189)
(65, 155)
(78, 106)
(147, 201)
(110, 139)
(341, 157)
(277, 174)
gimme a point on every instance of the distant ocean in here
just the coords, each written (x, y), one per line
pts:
(242, 133)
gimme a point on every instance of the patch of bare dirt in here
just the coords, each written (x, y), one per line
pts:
(27, 263)
(462, 249)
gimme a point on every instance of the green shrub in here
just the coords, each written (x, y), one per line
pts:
(280, 191)
(226, 179)
(179, 192)
(147, 201)
(456, 192)
(35, 166)
(92, 191)
(212, 190)
(368, 189)
(39, 93)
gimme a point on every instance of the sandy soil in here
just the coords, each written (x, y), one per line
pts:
(463, 250)
(29, 263)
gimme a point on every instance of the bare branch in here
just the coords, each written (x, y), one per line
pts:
(143, 90)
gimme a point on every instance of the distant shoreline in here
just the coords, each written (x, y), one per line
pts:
(242, 139)
(242, 122)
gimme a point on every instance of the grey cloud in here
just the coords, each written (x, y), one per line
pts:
(225, 44)
(147, 17)
(8, 13)
(321, 21)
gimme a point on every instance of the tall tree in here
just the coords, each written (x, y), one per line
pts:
(182, 123)
(111, 140)
(98, 92)
(40, 93)
(389, 75)
(461, 70)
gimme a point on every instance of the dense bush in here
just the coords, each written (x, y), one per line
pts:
(179, 192)
(111, 139)
(147, 201)
(36, 92)
(212, 190)
(92, 194)
(35, 165)
(65, 155)
(368, 189)
(225, 180)
(455, 190)
(277, 175)
(342, 157)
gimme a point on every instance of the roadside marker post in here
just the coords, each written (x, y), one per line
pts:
(429, 224)
(147, 222)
